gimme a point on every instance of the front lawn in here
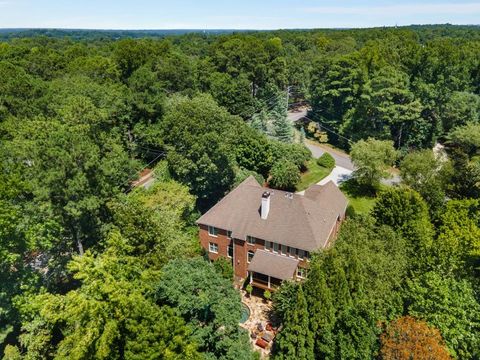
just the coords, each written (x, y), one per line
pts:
(313, 175)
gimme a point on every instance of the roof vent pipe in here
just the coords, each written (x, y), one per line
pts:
(265, 205)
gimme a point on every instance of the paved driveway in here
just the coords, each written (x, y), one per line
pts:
(341, 159)
(343, 164)
(338, 175)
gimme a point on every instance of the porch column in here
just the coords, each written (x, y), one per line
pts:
(269, 281)
(251, 277)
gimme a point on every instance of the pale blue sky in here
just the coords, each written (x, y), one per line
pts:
(227, 14)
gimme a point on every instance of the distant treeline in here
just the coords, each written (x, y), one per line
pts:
(79, 34)
(425, 32)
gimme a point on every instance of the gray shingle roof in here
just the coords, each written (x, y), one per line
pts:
(300, 221)
(277, 266)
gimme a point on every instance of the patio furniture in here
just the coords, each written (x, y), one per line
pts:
(261, 343)
(267, 337)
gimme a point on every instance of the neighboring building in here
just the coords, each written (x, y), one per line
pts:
(269, 234)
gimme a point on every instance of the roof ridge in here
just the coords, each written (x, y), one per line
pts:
(303, 201)
(299, 221)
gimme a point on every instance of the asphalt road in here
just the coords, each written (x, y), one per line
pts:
(317, 150)
(341, 159)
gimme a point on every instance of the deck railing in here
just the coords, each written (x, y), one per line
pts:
(274, 283)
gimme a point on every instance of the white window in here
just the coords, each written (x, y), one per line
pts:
(213, 248)
(284, 249)
(229, 234)
(268, 245)
(230, 251)
(275, 247)
(212, 231)
(301, 272)
(251, 240)
(301, 254)
(250, 255)
(292, 251)
(307, 255)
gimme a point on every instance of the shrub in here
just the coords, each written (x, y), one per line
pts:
(249, 289)
(285, 175)
(326, 161)
(351, 211)
(299, 154)
(315, 132)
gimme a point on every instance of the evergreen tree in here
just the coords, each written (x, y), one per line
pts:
(259, 122)
(281, 127)
(322, 311)
(295, 341)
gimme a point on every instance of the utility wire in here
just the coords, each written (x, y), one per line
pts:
(319, 122)
(139, 171)
(270, 102)
(329, 130)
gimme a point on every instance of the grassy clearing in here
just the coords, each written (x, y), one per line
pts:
(313, 175)
(362, 203)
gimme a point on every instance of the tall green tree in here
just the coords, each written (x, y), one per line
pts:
(387, 109)
(321, 310)
(459, 109)
(198, 155)
(350, 288)
(336, 83)
(406, 212)
(295, 340)
(372, 158)
(209, 303)
(428, 174)
(72, 172)
(457, 246)
(449, 305)
(108, 317)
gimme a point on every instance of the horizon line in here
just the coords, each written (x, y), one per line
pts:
(231, 29)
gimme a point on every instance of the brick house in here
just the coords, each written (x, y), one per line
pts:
(269, 234)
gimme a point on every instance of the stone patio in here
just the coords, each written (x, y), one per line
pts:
(260, 316)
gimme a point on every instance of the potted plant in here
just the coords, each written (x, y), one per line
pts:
(249, 289)
(267, 295)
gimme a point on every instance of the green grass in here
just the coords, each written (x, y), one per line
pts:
(361, 202)
(361, 205)
(313, 175)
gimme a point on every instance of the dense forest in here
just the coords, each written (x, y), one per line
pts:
(93, 268)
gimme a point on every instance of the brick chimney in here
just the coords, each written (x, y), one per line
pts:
(265, 205)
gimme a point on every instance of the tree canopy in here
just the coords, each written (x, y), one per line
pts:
(95, 264)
